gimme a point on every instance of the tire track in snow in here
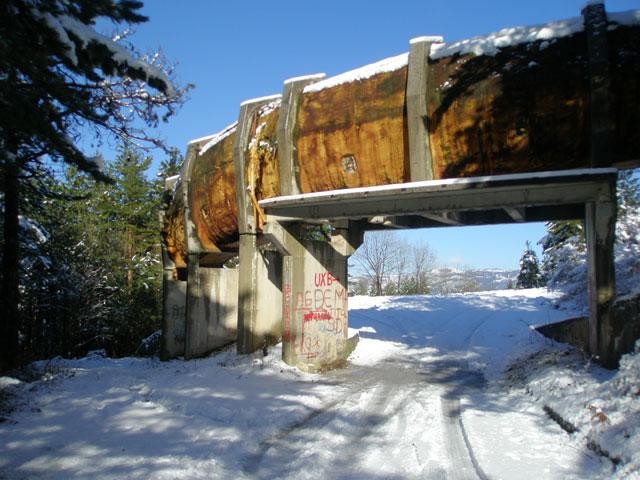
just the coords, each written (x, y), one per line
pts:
(463, 461)
(379, 401)
(390, 400)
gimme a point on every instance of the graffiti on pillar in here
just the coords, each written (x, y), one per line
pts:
(322, 311)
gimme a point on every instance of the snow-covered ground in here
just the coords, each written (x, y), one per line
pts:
(438, 387)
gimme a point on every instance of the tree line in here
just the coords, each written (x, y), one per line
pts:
(387, 264)
(90, 267)
(63, 84)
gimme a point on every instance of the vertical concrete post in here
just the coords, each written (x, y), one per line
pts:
(600, 219)
(600, 215)
(193, 313)
(314, 297)
(595, 23)
(315, 277)
(286, 124)
(259, 296)
(418, 88)
(259, 274)
(174, 294)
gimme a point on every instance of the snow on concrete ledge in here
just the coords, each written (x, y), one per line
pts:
(490, 44)
(214, 139)
(628, 18)
(431, 184)
(315, 76)
(428, 38)
(482, 45)
(268, 98)
(362, 73)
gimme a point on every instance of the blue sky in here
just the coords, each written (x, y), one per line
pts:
(234, 51)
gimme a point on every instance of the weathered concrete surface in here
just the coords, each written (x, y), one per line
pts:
(314, 306)
(574, 331)
(259, 296)
(174, 298)
(213, 314)
(600, 234)
(625, 328)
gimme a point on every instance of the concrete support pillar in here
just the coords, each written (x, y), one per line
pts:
(314, 298)
(600, 219)
(293, 87)
(174, 303)
(418, 88)
(259, 296)
(259, 273)
(315, 303)
(174, 291)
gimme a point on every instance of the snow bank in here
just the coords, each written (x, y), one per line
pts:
(427, 370)
(603, 406)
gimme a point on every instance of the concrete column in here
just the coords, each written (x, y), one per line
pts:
(595, 26)
(600, 219)
(259, 273)
(285, 132)
(418, 89)
(194, 295)
(314, 298)
(259, 296)
(174, 292)
(174, 302)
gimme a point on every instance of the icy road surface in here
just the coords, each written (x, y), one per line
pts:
(424, 397)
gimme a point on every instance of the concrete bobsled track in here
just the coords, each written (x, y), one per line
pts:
(526, 124)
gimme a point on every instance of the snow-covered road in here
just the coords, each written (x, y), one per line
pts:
(424, 396)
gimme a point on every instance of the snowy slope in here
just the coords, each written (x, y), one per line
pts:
(438, 387)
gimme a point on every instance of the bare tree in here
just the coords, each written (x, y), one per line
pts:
(376, 257)
(423, 261)
(394, 266)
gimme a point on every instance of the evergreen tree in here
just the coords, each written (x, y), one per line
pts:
(564, 239)
(130, 212)
(529, 276)
(59, 79)
(90, 272)
(564, 246)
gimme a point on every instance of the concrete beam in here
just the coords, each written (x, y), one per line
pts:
(595, 25)
(447, 218)
(517, 214)
(420, 198)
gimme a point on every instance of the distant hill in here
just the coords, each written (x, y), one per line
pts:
(442, 281)
(449, 280)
